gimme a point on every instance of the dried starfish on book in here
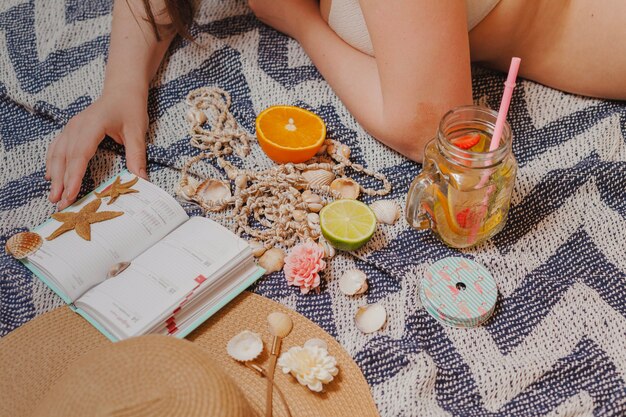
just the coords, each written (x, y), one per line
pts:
(117, 188)
(275, 206)
(81, 221)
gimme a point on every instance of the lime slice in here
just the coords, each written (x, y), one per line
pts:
(347, 224)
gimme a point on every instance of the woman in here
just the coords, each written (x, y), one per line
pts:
(402, 65)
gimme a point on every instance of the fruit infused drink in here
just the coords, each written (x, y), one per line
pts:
(464, 190)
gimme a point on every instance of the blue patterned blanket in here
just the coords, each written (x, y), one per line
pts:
(556, 344)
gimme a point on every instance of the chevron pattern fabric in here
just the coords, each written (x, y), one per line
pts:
(556, 344)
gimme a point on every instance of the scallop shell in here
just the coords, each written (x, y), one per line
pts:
(370, 318)
(386, 211)
(257, 247)
(22, 244)
(117, 269)
(346, 187)
(353, 282)
(315, 342)
(245, 346)
(318, 178)
(213, 190)
(272, 260)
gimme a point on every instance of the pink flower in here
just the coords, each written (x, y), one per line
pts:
(302, 266)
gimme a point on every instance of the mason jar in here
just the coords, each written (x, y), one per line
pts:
(464, 191)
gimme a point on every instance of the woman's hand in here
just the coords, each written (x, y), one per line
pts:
(121, 115)
(286, 16)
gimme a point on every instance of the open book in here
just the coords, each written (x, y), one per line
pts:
(182, 270)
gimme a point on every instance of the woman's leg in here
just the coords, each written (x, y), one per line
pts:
(572, 45)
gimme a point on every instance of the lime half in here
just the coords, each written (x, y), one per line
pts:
(347, 224)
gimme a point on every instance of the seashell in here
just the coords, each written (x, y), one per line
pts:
(329, 250)
(20, 245)
(196, 116)
(279, 324)
(313, 219)
(257, 248)
(370, 318)
(117, 269)
(299, 215)
(213, 190)
(245, 346)
(343, 150)
(312, 366)
(313, 201)
(316, 342)
(346, 187)
(353, 282)
(386, 211)
(272, 260)
(317, 178)
(241, 181)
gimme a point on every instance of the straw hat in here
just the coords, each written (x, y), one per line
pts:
(58, 362)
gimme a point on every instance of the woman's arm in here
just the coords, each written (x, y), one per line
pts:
(120, 112)
(421, 68)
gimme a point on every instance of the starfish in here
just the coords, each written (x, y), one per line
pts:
(81, 220)
(117, 189)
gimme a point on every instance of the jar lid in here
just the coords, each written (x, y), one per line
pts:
(458, 292)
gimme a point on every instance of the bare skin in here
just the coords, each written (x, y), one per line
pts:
(421, 68)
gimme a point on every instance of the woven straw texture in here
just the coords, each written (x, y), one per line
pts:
(555, 344)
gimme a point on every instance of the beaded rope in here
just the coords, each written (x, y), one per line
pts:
(275, 206)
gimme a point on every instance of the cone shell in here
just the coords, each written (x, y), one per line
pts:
(272, 260)
(346, 187)
(386, 211)
(23, 244)
(318, 178)
(213, 190)
(370, 318)
(353, 282)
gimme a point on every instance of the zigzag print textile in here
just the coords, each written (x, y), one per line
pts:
(556, 344)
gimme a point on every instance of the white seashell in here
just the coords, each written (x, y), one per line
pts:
(346, 187)
(309, 196)
(370, 318)
(329, 250)
(213, 190)
(343, 150)
(117, 269)
(313, 219)
(272, 260)
(317, 178)
(241, 181)
(386, 211)
(245, 346)
(196, 116)
(299, 215)
(316, 342)
(257, 248)
(353, 282)
(312, 366)
(20, 245)
(315, 207)
(279, 324)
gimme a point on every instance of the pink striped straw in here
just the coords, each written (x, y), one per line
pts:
(509, 85)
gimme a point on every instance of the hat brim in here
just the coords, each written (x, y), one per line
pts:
(34, 356)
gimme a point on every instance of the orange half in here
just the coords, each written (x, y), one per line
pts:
(290, 133)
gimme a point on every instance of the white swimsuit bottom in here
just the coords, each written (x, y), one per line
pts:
(346, 19)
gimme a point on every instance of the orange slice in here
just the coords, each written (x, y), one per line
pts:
(290, 133)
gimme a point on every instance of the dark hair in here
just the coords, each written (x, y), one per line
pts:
(180, 13)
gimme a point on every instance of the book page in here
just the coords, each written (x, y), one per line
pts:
(165, 277)
(76, 265)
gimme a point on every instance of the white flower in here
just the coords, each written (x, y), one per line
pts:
(245, 346)
(310, 365)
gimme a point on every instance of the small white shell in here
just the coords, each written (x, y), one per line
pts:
(20, 245)
(370, 318)
(317, 178)
(316, 342)
(313, 219)
(346, 187)
(342, 150)
(353, 282)
(299, 215)
(386, 211)
(196, 116)
(257, 248)
(241, 181)
(272, 260)
(245, 346)
(116, 269)
(213, 190)
(329, 250)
